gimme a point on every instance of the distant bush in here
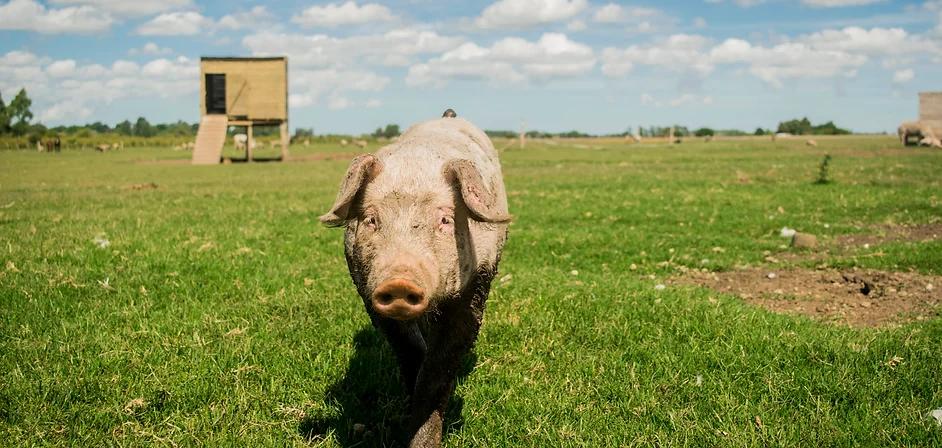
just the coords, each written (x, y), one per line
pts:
(704, 132)
(804, 127)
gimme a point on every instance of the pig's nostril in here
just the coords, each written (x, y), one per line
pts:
(414, 299)
(385, 298)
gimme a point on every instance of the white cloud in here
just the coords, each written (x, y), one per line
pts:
(61, 68)
(125, 8)
(393, 48)
(824, 54)
(93, 86)
(614, 13)
(788, 60)
(838, 3)
(349, 13)
(741, 3)
(903, 76)
(257, 16)
(339, 103)
(180, 23)
(308, 87)
(510, 60)
(150, 49)
(684, 100)
(524, 13)
(576, 25)
(374, 103)
(29, 15)
(679, 52)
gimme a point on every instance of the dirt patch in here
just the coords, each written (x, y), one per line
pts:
(859, 298)
(890, 234)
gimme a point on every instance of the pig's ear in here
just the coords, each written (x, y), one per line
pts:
(480, 200)
(362, 170)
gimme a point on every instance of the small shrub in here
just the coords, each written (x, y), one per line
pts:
(823, 174)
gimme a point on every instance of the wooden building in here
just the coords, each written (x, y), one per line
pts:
(240, 92)
(930, 107)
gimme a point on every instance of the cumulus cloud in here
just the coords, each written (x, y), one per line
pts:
(838, 3)
(349, 13)
(510, 60)
(92, 86)
(150, 49)
(257, 16)
(124, 8)
(393, 48)
(179, 23)
(524, 13)
(903, 76)
(310, 86)
(824, 54)
(29, 15)
(614, 13)
(679, 52)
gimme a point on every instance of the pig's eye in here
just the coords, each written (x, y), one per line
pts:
(447, 221)
(370, 221)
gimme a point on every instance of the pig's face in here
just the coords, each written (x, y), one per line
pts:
(410, 248)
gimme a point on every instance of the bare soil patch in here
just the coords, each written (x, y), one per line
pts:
(890, 234)
(855, 297)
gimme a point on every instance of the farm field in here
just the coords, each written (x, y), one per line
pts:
(144, 301)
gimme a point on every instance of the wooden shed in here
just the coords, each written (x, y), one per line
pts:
(240, 92)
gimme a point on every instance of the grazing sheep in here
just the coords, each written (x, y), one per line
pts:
(909, 129)
(360, 144)
(104, 147)
(307, 142)
(115, 146)
(811, 143)
(343, 142)
(708, 139)
(240, 141)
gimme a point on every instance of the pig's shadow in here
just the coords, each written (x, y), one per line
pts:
(369, 394)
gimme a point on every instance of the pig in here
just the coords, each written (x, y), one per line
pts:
(425, 222)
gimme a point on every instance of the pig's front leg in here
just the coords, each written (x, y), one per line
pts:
(450, 340)
(408, 344)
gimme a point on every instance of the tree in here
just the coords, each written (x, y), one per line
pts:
(143, 128)
(795, 127)
(392, 130)
(4, 117)
(703, 132)
(123, 128)
(760, 131)
(19, 113)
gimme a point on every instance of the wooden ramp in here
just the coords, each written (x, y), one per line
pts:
(209, 140)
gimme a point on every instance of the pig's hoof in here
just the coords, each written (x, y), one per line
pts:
(429, 434)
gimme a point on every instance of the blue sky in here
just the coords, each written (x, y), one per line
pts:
(595, 66)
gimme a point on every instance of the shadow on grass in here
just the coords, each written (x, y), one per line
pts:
(368, 406)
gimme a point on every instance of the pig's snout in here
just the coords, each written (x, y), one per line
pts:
(400, 299)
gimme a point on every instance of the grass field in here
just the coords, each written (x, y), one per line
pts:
(221, 314)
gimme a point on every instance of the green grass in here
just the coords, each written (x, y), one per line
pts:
(226, 309)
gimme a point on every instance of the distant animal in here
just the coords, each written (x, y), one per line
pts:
(344, 142)
(103, 147)
(909, 129)
(240, 140)
(360, 144)
(930, 141)
(811, 143)
(426, 219)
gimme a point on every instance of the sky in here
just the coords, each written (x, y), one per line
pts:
(552, 65)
